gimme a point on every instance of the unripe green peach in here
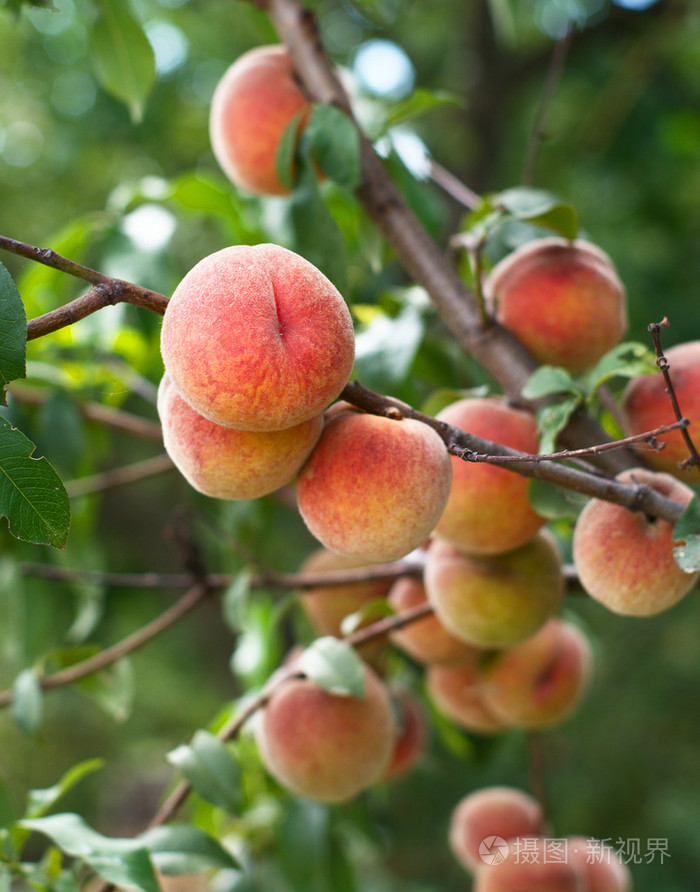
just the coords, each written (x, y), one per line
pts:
(538, 682)
(255, 101)
(503, 812)
(562, 299)
(457, 693)
(374, 487)
(646, 405)
(257, 338)
(325, 746)
(499, 600)
(624, 559)
(226, 463)
(426, 640)
(489, 509)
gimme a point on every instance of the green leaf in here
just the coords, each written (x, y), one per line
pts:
(112, 689)
(419, 103)
(334, 666)
(387, 347)
(316, 235)
(540, 208)
(40, 801)
(627, 360)
(32, 496)
(13, 333)
(123, 862)
(368, 613)
(122, 56)
(553, 418)
(687, 533)
(335, 145)
(548, 380)
(285, 159)
(208, 765)
(27, 701)
(235, 599)
(183, 848)
(554, 502)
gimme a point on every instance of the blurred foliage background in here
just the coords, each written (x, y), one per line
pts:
(133, 190)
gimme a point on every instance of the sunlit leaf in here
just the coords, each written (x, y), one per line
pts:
(541, 209)
(27, 701)
(548, 380)
(208, 765)
(334, 666)
(687, 533)
(40, 801)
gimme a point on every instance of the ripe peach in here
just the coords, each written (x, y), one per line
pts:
(488, 510)
(374, 487)
(499, 600)
(457, 693)
(562, 299)
(226, 463)
(624, 559)
(327, 746)
(539, 681)
(412, 735)
(426, 640)
(529, 867)
(599, 865)
(492, 811)
(253, 104)
(646, 405)
(328, 605)
(257, 338)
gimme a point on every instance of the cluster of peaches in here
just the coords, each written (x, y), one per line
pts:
(258, 345)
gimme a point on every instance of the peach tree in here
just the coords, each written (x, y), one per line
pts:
(335, 487)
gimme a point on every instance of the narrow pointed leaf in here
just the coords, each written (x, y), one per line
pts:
(13, 332)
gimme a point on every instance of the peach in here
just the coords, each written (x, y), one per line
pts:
(457, 693)
(538, 682)
(425, 640)
(624, 559)
(325, 746)
(499, 600)
(412, 735)
(562, 299)
(374, 487)
(503, 812)
(225, 463)
(257, 338)
(529, 866)
(599, 865)
(255, 101)
(488, 510)
(645, 406)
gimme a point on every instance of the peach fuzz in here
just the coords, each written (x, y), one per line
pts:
(533, 870)
(327, 746)
(492, 811)
(255, 101)
(257, 338)
(425, 640)
(645, 406)
(374, 487)
(489, 510)
(562, 299)
(412, 735)
(457, 693)
(538, 682)
(599, 865)
(230, 464)
(624, 559)
(495, 601)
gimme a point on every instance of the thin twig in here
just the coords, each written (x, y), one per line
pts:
(453, 186)
(122, 648)
(655, 329)
(140, 470)
(538, 133)
(636, 497)
(116, 418)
